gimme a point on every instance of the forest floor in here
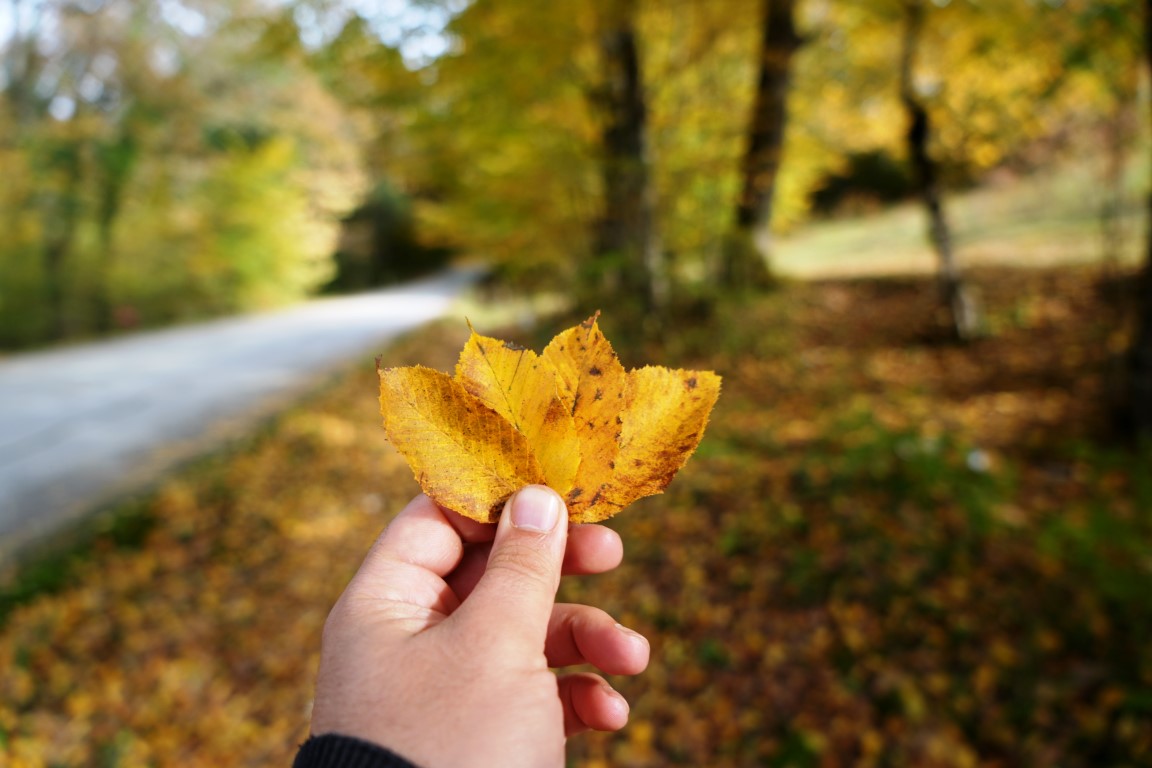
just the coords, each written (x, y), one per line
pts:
(888, 551)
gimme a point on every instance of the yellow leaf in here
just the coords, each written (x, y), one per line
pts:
(664, 418)
(464, 455)
(516, 384)
(591, 383)
(570, 417)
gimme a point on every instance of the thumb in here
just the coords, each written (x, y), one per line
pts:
(513, 599)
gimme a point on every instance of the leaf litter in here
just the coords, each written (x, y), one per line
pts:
(829, 583)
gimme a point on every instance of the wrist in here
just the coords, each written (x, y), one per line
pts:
(333, 750)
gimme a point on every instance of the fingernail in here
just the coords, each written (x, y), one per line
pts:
(622, 706)
(535, 509)
(630, 632)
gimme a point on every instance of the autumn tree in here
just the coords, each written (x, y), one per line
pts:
(158, 169)
(963, 314)
(747, 255)
(638, 141)
(627, 236)
(497, 144)
(53, 149)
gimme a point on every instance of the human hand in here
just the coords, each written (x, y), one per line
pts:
(440, 647)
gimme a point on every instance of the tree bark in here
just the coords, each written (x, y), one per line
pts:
(627, 238)
(1139, 404)
(746, 257)
(116, 161)
(61, 222)
(963, 314)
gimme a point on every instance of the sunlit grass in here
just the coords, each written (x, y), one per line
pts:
(1052, 217)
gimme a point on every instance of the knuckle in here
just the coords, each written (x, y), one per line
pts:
(523, 564)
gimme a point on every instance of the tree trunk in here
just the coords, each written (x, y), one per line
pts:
(116, 161)
(61, 222)
(746, 257)
(1140, 357)
(964, 316)
(1140, 353)
(627, 238)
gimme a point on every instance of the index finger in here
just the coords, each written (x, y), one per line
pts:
(470, 531)
(426, 536)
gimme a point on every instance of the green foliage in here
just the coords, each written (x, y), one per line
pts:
(22, 317)
(1103, 538)
(170, 191)
(910, 468)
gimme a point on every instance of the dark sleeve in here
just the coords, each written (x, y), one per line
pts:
(335, 751)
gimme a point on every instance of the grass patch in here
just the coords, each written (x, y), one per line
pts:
(1047, 219)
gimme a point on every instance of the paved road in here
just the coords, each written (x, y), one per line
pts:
(82, 425)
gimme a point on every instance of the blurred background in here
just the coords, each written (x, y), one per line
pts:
(912, 235)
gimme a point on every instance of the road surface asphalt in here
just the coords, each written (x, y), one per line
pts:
(83, 425)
